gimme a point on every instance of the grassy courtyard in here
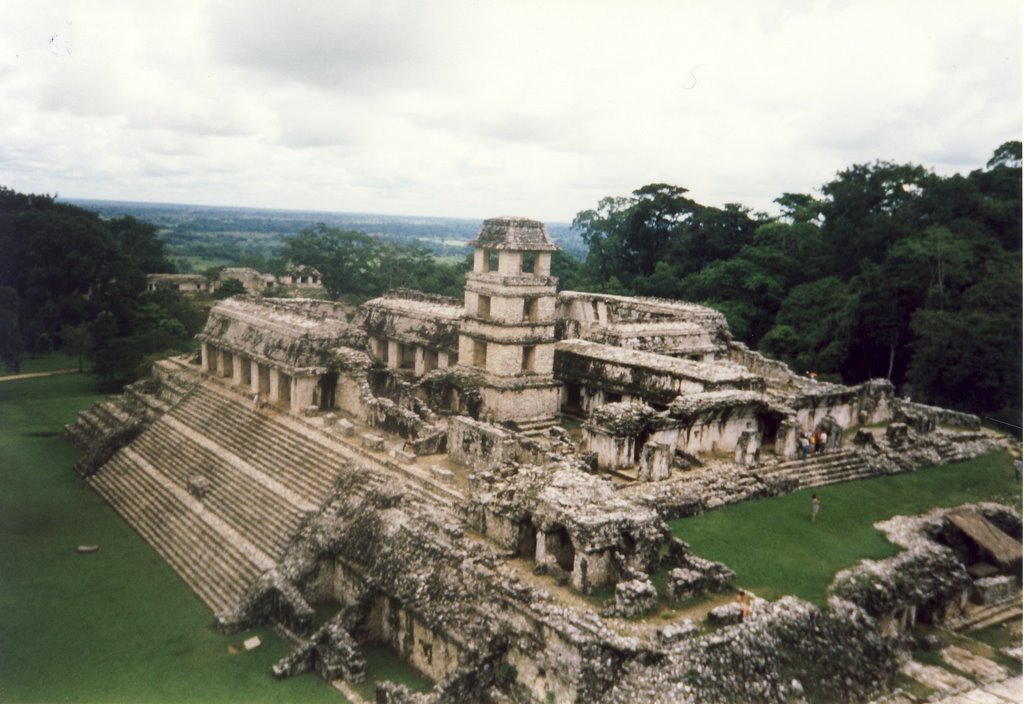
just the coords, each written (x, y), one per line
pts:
(113, 626)
(775, 549)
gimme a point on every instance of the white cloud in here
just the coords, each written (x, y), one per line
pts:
(477, 109)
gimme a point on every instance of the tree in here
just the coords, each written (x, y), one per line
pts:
(344, 258)
(229, 288)
(76, 341)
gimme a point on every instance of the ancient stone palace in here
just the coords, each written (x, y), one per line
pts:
(483, 485)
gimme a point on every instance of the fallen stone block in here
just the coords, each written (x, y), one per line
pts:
(403, 456)
(309, 411)
(372, 441)
(345, 428)
(685, 583)
(635, 597)
(725, 615)
(994, 590)
(439, 472)
(675, 632)
(198, 485)
(330, 419)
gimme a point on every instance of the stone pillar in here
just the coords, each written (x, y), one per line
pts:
(224, 364)
(204, 352)
(394, 354)
(419, 366)
(442, 360)
(303, 390)
(275, 390)
(236, 368)
(254, 376)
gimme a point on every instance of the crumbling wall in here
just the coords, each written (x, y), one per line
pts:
(771, 369)
(922, 417)
(475, 444)
(787, 650)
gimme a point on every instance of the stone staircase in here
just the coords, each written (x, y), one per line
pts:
(218, 491)
(976, 617)
(817, 470)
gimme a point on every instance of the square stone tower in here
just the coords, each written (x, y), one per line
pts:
(507, 333)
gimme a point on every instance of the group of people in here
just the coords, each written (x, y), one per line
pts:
(813, 443)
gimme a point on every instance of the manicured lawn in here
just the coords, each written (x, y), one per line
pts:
(113, 626)
(775, 549)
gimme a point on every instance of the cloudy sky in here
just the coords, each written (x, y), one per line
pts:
(483, 108)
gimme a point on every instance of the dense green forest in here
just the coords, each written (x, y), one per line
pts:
(892, 271)
(70, 280)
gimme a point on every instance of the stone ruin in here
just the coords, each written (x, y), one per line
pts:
(482, 485)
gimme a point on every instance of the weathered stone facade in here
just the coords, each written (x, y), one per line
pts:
(407, 468)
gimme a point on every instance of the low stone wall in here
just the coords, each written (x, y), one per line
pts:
(916, 414)
(475, 444)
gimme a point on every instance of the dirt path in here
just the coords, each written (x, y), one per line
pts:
(33, 375)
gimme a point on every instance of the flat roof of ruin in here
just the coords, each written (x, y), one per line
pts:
(513, 233)
(716, 372)
(288, 320)
(417, 308)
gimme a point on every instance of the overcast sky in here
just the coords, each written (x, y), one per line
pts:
(484, 108)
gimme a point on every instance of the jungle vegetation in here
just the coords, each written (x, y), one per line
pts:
(891, 271)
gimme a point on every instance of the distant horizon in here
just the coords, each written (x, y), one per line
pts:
(115, 201)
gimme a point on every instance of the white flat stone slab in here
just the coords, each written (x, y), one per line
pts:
(372, 441)
(252, 643)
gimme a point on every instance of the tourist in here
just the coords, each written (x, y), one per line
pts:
(255, 403)
(408, 447)
(815, 507)
(805, 445)
(822, 440)
(741, 598)
(811, 439)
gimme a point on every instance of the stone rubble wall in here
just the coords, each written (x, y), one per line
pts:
(786, 651)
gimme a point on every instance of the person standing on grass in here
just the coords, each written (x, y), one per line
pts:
(815, 507)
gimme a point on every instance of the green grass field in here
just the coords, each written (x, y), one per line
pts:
(113, 626)
(775, 549)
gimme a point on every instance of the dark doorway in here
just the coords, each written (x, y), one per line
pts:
(526, 544)
(328, 384)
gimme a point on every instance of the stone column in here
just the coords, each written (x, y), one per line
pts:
(442, 360)
(254, 376)
(224, 364)
(419, 366)
(204, 352)
(275, 390)
(303, 390)
(394, 354)
(236, 368)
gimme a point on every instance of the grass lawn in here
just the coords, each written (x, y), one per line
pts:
(775, 549)
(55, 361)
(113, 626)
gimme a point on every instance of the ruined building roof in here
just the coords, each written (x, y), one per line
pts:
(706, 373)
(519, 234)
(1003, 549)
(413, 317)
(296, 334)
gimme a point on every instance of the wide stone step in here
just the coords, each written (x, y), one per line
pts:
(211, 565)
(267, 518)
(259, 440)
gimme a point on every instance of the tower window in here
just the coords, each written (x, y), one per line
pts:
(530, 309)
(529, 358)
(483, 306)
(479, 353)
